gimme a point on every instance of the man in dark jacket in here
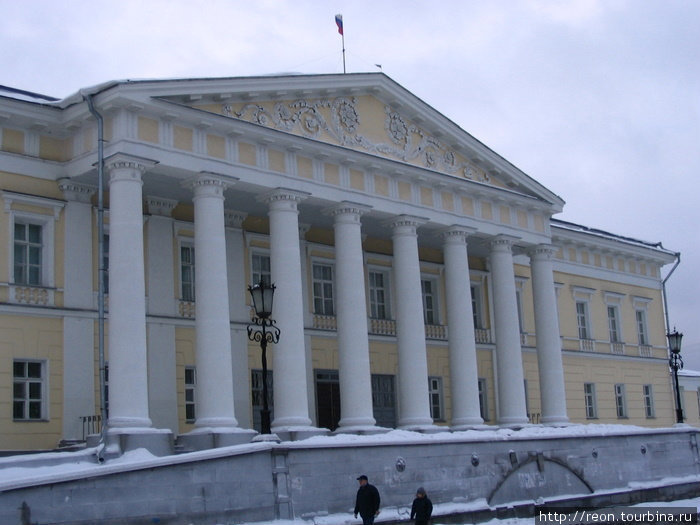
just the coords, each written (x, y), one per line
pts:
(367, 501)
(422, 507)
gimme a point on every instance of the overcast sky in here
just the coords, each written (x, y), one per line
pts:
(599, 100)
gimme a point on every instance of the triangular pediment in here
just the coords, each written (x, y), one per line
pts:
(363, 112)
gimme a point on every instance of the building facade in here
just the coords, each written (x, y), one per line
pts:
(421, 279)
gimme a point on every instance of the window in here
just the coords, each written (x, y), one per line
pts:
(648, 401)
(378, 295)
(435, 393)
(476, 306)
(28, 253)
(190, 384)
(483, 405)
(519, 303)
(28, 403)
(257, 396)
(187, 272)
(590, 400)
(582, 320)
(614, 324)
(641, 317)
(620, 401)
(428, 288)
(384, 400)
(323, 289)
(261, 268)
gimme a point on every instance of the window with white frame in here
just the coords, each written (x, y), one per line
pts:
(582, 320)
(28, 247)
(187, 272)
(378, 294)
(614, 324)
(648, 401)
(590, 400)
(641, 318)
(429, 293)
(323, 289)
(190, 391)
(476, 306)
(435, 394)
(28, 390)
(31, 253)
(260, 265)
(620, 401)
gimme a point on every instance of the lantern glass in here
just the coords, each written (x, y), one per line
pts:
(674, 341)
(262, 295)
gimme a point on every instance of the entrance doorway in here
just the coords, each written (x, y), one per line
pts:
(327, 399)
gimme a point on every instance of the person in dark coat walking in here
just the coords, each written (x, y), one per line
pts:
(367, 501)
(422, 507)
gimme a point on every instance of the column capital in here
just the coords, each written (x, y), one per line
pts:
(293, 197)
(353, 210)
(503, 243)
(542, 252)
(128, 162)
(456, 234)
(76, 191)
(160, 206)
(209, 184)
(405, 223)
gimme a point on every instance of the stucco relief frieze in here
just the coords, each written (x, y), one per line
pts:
(340, 119)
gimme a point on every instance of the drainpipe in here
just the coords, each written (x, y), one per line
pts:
(663, 290)
(101, 271)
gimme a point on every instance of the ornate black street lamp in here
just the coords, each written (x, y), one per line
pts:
(263, 331)
(676, 363)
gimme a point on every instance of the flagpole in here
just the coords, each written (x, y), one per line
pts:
(343, 38)
(339, 23)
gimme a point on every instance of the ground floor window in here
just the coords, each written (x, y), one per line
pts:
(384, 400)
(28, 401)
(590, 400)
(483, 399)
(435, 394)
(620, 401)
(190, 384)
(257, 396)
(648, 401)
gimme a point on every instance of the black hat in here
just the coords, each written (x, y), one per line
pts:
(362, 477)
(421, 491)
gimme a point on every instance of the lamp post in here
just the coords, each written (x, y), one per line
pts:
(676, 363)
(263, 331)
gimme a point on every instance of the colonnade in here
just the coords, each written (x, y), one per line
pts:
(216, 417)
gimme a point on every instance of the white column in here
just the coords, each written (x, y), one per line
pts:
(240, 315)
(213, 339)
(414, 407)
(160, 304)
(549, 359)
(464, 377)
(128, 362)
(509, 362)
(353, 343)
(78, 330)
(288, 356)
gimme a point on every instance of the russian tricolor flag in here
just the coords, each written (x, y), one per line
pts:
(339, 23)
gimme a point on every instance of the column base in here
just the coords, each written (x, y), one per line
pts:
(515, 424)
(425, 429)
(361, 430)
(464, 427)
(206, 438)
(297, 433)
(158, 442)
(555, 421)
